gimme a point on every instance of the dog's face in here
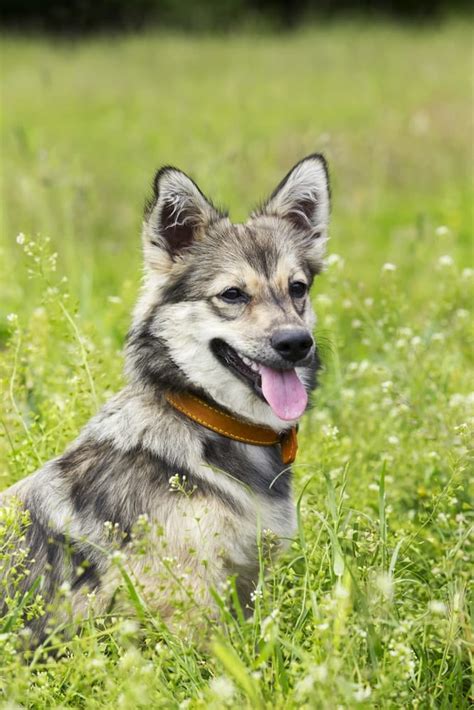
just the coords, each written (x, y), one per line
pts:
(225, 308)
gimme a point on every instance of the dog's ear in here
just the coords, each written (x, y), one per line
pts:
(176, 215)
(303, 199)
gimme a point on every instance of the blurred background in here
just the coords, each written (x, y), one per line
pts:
(97, 95)
(211, 15)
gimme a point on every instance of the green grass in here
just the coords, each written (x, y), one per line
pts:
(369, 608)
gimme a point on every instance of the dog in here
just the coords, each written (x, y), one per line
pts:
(197, 447)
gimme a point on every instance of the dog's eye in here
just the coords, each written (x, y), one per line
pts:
(234, 295)
(298, 289)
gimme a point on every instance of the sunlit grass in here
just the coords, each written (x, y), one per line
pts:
(370, 605)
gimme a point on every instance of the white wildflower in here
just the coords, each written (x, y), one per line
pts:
(304, 686)
(467, 273)
(389, 267)
(445, 260)
(340, 591)
(65, 588)
(330, 432)
(320, 672)
(384, 584)
(117, 556)
(20, 238)
(130, 659)
(437, 607)
(356, 323)
(362, 692)
(393, 440)
(223, 688)
(12, 317)
(96, 663)
(256, 594)
(128, 627)
(323, 299)
(334, 259)
(442, 230)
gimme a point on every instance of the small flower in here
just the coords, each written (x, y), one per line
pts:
(117, 556)
(323, 299)
(386, 385)
(334, 259)
(256, 594)
(330, 431)
(320, 672)
(223, 688)
(128, 627)
(356, 323)
(362, 692)
(389, 267)
(341, 592)
(437, 607)
(445, 260)
(20, 239)
(467, 273)
(12, 317)
(304, 686)
(385, 585)
(393, 440)
(442, 230)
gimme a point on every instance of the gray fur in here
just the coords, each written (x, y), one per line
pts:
(120, 466)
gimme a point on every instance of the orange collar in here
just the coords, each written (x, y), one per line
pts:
(219, 421)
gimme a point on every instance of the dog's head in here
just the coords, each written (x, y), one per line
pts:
(225, 308)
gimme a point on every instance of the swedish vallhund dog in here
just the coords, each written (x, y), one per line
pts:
(220, 359)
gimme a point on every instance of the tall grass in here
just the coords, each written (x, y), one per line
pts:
(369, 608)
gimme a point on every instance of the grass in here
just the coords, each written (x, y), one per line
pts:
(369, 608)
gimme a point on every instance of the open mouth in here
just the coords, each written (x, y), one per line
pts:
(281, 389)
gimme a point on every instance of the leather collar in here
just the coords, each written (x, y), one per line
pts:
(216, 419)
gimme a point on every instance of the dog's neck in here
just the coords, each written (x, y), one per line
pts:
(212, 417)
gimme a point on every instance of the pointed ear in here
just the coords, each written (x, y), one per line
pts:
(176, 215)
(303, 199)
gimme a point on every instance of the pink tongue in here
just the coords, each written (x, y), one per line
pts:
(284, 392)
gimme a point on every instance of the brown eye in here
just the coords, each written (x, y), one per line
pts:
(234, 295)
(298, 289)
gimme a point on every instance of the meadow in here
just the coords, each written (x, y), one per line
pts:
(370, 605)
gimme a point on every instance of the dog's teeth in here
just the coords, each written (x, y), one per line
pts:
(250, 363)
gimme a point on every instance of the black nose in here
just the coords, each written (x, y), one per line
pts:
(293, 345)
